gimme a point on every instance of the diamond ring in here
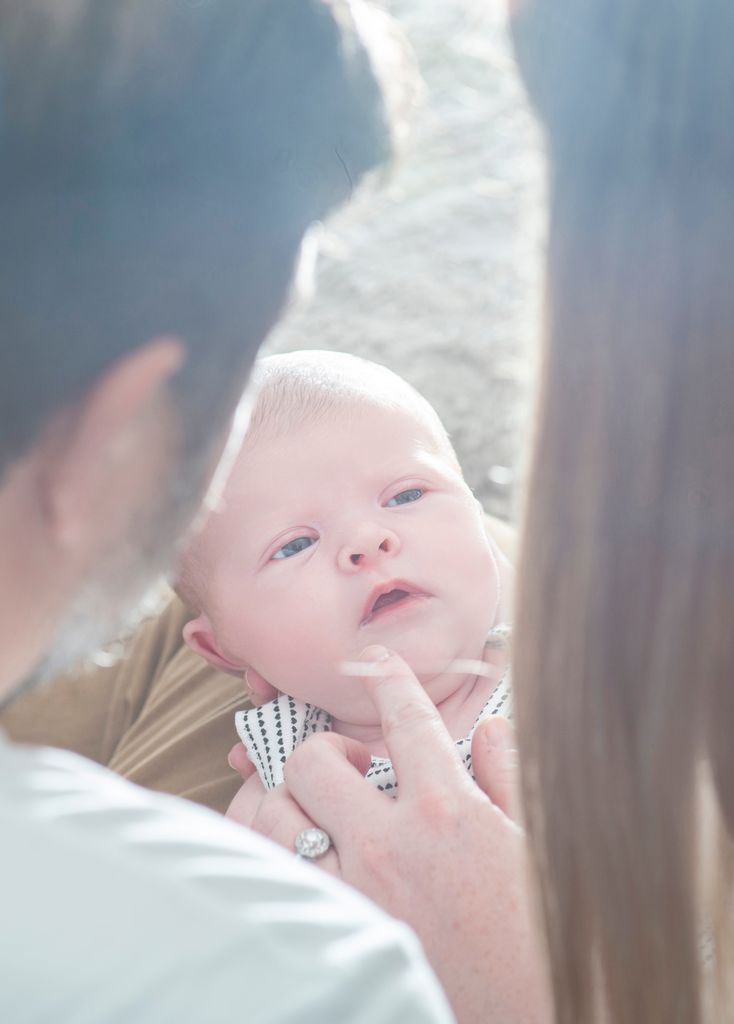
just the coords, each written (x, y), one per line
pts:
(312, 843)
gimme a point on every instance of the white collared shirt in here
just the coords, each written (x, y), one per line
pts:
(120, 905)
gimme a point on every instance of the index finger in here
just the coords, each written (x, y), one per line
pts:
(415, 736)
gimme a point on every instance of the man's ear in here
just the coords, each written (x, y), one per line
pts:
(199, 637)
(107, 450)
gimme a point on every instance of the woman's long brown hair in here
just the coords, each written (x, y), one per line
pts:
(624, 665)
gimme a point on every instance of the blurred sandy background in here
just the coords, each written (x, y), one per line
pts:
(438, 274)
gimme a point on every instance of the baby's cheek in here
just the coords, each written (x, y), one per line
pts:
(297, 659)
(483, 590)
(296, 646)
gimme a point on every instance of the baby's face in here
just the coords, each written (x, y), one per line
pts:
(349, 532)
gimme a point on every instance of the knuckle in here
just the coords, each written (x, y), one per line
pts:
(438, 809)
(405, 715)
(378, 861)
(313, 747)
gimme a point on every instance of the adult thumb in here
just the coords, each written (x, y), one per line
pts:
(495, 764)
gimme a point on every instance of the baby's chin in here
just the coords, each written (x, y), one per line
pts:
(438, 665)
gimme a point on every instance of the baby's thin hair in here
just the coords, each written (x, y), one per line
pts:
(305, 387)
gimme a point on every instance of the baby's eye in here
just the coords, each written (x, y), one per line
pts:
(293, 547)
(405, 497)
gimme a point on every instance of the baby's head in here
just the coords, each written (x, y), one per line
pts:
(345, 522)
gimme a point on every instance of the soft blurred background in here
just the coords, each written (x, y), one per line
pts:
(437, 274)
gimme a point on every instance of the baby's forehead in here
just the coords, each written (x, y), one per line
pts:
(344, 442)
(295, 423)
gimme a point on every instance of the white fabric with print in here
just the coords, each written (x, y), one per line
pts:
(272, 731)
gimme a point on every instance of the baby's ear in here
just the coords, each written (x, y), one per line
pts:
(199, 637)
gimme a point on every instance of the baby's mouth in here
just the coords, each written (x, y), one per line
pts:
(388, 598)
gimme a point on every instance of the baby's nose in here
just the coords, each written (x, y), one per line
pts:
(367, 549)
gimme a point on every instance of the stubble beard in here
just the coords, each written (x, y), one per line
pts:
(128, 586)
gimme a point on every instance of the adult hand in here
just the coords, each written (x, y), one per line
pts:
(443, 856)
(248, 797)
(496, 766)
(274, 813)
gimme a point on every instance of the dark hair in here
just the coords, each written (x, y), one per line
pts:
(625, 634)
(160, 161)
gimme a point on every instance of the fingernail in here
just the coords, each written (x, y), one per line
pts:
(375, 652)
(249, 756)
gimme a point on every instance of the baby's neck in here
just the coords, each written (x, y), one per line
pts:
(459, 711)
